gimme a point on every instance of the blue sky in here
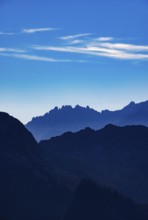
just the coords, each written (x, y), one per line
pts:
(54, 53)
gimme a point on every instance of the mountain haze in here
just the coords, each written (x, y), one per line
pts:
(59, 121)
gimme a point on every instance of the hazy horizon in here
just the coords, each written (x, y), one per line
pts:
(73, 106)
(72, 52)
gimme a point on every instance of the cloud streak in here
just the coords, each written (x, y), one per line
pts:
(32, 57)
(105, 38)
(35, 30)
(72, 37)
(128, 47)
(108, 47)
(76, 41)
(6, 33)
(38, 58)
(2, 49)
(110, 50)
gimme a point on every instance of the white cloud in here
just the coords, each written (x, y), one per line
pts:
(71, 37)
(35, 30)
(105, 38)
(101, 47)
(32, 57)
(37, 58)
(96, 51)
(122, 46)
(6, 33)
(81, 44)
(76, 41)
(3, 49)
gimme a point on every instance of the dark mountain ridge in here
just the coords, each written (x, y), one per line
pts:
(13, 136)
(31, 189)
(27, 189)
(114, 156)
(58, 121)
(92, 201)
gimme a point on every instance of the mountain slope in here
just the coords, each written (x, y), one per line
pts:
(92, 201)
(27, 190)
(114, 156)
(59, 121)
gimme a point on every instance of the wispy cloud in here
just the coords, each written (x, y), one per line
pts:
(3, 49)
(105, 46)
(38, 58)
(122, 46)
(76, 41)
(35, 30)
(72, 37)
(103, 50)
(6, 33)
(104, 38)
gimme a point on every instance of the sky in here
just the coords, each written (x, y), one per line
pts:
(66, 52)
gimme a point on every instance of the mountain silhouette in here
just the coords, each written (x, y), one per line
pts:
(38, 180)
(113, 156)
(15, 138)
(92, 201)
(27, 190)
(61, 120)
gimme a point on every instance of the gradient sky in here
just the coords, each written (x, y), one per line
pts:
(58, 52)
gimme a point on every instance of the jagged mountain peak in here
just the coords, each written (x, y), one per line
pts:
(67, 118)
(64, 108)
(110, 126)
(131, 103)
(130, 106)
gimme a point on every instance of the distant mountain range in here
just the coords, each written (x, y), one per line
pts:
(59, 121)
(40, 181)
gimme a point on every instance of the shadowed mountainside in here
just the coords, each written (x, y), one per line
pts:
(27, 190)
(114, 156)
(92, 201)
(59, 121)
(31, 174)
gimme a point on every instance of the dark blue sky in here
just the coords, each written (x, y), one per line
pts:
(58, 52)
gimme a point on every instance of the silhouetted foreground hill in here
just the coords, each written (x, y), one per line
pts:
(95, 202)
(27, 190)
(114, 156)
(59, 121)
(31, 174)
